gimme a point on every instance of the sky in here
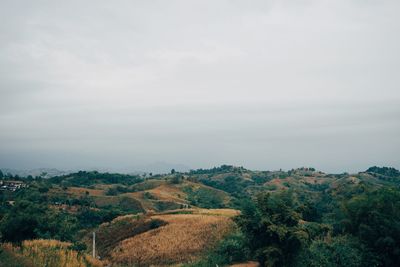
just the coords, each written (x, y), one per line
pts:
(124, 85)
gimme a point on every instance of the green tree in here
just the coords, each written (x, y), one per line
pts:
(374, 217)
(272, 227)
(341, 251)
(176, 179)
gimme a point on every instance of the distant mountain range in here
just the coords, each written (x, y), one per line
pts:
(43, 172)
(155, 168)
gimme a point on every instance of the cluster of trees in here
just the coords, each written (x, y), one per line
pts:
(284, 229)
(85, 178)
(215, 170)
(273, 229)
(9, 176)
(31, 213)
(233, 184)
(385, 171)
(115, 190)
(204, 198)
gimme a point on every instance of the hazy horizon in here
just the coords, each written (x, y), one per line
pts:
(154, 168)
(265, 85)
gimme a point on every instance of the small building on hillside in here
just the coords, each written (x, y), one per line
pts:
(12, 185)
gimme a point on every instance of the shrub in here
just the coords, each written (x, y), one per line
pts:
(341, 251)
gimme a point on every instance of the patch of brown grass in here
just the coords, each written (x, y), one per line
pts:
(216, 212)
(108, 235)
(102, 201)
(278, 182)
(168, 192)
(52, 253)
(146, 204)
(183, 239)
(81, 191)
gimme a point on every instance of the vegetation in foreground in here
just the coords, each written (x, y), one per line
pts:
(182, 239)
(300, 217)
(51, 253)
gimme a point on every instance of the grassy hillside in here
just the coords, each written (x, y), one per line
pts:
(110, 234)
(292, 217)
(51, 253)
(183, 238)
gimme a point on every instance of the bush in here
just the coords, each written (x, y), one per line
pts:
(78, 246)
(374, 218)
(272, 227)
(204, 197)
(148, 195)
(340, 251)
(233, 248)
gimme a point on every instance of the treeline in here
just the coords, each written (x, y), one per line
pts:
(358, 228)
(32, 213)
(85, 178)
(215, 170)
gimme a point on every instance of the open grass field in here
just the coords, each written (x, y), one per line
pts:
(80, 191)
(168, 192)
(183, 239)
(108, 235)
(216, 212)
(76, 191)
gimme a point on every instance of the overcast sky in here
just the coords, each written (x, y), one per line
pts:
(262, 84)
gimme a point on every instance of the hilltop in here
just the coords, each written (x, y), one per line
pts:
(181, 218)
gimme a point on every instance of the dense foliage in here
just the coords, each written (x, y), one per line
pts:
(391, 172)
(294, 218)
(84, 178)
(273, 229)
(344, 220)
(33, 212)
(363, 230)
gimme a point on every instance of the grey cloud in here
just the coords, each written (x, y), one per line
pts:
(266, 84)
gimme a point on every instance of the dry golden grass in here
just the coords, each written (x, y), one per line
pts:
(53, 253)
(80, 191)
(168, 192)
(10, 256)
(146, 204)
(106, 200)
(246, 264)
(278, 183)
(127, 217)
(104, 186)
(161, 192)
(216, 212)
(109, 235)
(183, 239)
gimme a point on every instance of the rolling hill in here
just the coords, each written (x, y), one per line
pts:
(168, 219)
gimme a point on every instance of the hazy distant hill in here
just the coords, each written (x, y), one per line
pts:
(162, 167)
(43, 172)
